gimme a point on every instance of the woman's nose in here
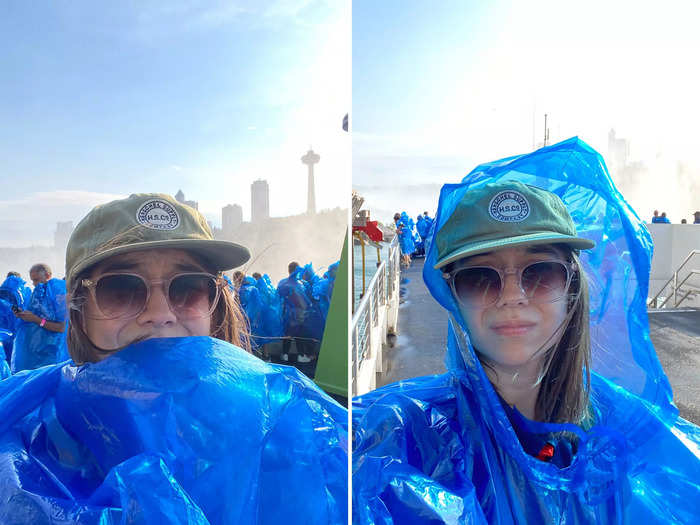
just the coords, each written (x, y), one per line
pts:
(512, 293)
(157, 310)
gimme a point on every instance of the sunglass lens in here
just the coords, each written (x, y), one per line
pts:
(477, 286)
(545, 281)
(120, 295)
(193, 295)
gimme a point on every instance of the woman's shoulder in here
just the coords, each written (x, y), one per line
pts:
(422, 409)
(432, 388)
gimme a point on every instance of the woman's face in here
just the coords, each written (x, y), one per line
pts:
(157, 319)
(511, 331)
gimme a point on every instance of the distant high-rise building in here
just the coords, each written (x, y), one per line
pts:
(260, 201)
(180, 197)
(618, 152)
(231, 217)
(310, 159)
(60, 241)
(62, 234)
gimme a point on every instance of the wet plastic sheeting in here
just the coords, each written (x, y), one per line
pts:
(182, 430)
(441, 449)
(35, 346)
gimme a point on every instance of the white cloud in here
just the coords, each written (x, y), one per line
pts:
(31, 220)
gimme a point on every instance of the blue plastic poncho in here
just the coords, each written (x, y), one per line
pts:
(315, 321)
(272, 310)
(405, 228)
(301, 315)
(7, 338)
(35, 346)
(442, 449)
(15, 291)
(171, 431)
(4, 367)
(8, 320)
(253, 306)
(423, 226)
(322, 289)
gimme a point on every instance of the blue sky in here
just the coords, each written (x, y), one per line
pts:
(101, 100)
(439, 88)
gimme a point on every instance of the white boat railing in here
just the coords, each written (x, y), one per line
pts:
(375, 317)
(676, 286)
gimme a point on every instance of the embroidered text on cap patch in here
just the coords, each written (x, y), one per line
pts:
(509, 206)
(158, 214)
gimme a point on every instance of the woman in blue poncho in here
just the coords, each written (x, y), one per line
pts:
(165, 418)
(532, 423)
(405, 233)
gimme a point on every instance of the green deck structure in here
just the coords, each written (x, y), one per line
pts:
(332, 368)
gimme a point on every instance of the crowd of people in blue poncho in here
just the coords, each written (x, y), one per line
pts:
(412, 235)
(286, 322)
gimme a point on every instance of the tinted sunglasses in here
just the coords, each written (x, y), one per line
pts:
(482, 286)
(125, 295)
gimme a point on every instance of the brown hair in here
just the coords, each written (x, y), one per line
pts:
(565, 376)
(228, 323)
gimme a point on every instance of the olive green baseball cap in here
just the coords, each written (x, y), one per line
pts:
(146, 221)
(505, 214)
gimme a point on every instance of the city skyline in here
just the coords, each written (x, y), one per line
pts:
(206, 97)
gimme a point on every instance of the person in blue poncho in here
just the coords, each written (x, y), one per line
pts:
(404, 231)
(299, 316)
(41, 337)
(164, 416)
(271, 324)
(14, 296)
(555, 408)
(322, 289)
(252, 305)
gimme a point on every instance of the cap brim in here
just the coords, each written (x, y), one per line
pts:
(224, 255)
(577, 243)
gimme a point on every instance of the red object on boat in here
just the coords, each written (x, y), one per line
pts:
(370, 228)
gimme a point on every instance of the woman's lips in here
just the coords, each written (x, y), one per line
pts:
(513, 328)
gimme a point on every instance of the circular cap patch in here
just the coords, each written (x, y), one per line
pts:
(509, 206)
(157, 214)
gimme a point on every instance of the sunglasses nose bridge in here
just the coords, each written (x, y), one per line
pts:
(511, 287)
(157, 308)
